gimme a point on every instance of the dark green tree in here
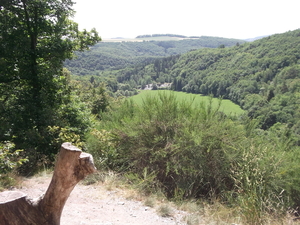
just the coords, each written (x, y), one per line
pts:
(36, 37)
(100, 100)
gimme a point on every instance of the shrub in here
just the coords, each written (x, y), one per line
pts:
(182, 145)
(165, 210)
(10, 159)
(60, 135)
(197, 152)
(102, 145)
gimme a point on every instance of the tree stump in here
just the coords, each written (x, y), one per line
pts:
(72, 166)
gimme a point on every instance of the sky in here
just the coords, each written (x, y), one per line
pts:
(220, 18)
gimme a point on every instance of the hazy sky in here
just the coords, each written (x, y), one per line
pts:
(223, 18)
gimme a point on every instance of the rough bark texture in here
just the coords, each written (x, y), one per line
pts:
(72, 166)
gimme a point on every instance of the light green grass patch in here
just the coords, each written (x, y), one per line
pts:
(227, 106)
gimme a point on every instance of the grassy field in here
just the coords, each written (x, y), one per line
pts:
(227, 106)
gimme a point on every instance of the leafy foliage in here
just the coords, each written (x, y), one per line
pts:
(261, 76)
(185, 149)
(197, 152)
(9, 158)
(35, 39)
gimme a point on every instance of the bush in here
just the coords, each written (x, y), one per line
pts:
(10, 159)
(102, 145)
(183, 146)
(198, 152)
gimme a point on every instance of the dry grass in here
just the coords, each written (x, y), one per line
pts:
(110, 180)
(220, 214)
(200, 213)
(165, 210)
(150, 201)
(192, 219)
(190, 206)
(197, 213)
(7, 181)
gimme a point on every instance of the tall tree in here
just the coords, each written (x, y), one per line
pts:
(36, 37)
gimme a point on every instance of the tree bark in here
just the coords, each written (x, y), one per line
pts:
(72, 166)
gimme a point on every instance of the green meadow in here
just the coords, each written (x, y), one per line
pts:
(227, 106)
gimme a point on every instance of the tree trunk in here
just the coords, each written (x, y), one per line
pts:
(72, 166)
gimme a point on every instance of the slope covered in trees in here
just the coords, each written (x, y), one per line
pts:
(263, 76)
(117, 55)
(164, 145)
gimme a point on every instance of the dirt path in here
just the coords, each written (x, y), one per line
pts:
(95, 205)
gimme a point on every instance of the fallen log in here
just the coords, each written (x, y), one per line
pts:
(72, 166)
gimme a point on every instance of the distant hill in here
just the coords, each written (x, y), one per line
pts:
(262, 76)
(120, 53)
(152, 37)
(161, 35)
(166, 36)
(256, 38)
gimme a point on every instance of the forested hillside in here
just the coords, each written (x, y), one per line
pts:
(263, 76)
(117, 55)
(243, 166)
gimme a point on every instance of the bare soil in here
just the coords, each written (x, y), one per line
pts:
(95, 204)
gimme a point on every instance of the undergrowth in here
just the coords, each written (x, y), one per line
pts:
(195, 211)
(10, 160)
(194, 151)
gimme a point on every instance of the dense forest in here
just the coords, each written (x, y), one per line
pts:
(180, 149)
(246, 161)
(118, 55)
(261, 76)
